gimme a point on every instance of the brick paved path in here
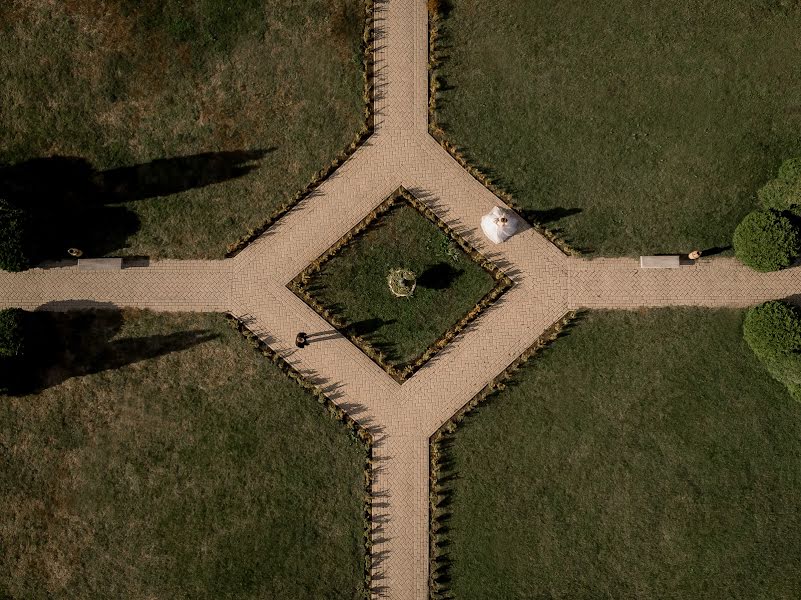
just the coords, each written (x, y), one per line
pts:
(168, 285)
(252, 286)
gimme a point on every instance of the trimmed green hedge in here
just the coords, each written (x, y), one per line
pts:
(784, 192)
(767, 240)
(773, 332)
(12, 346)
(13, 225)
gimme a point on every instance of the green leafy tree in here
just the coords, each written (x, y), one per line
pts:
(773, 332)
(767, 240)
(784, 192)
(773, 329)
(13, 226)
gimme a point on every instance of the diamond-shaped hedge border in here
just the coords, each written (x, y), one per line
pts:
(400, 374)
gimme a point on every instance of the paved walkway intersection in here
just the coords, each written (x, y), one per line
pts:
(252, 286)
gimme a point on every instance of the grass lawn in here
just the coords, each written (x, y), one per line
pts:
(646, 125)
(645, 455)
(199, 117)
(163, 458)
(353, 284)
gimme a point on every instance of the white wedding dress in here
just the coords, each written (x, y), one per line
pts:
(500, 224)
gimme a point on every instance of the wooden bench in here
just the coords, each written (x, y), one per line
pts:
(660, 262)
(99, 264)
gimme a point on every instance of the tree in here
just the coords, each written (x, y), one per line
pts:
(784, 192)
(773, 329)
(767, 240)
(13, 226)
(773, 332)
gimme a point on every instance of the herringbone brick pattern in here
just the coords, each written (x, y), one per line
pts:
(620, 283)
(401, 418)
(164, 286)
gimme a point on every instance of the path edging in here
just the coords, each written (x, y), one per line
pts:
(356, 431)
(435, 19)
(367, 129)
(439, 493)
(400, 374)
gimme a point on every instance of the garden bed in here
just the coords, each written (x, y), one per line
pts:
(349, 285)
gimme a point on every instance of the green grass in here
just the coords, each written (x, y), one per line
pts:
(126, 83)
(353, 284)
(645, 455)
(164, 458)
(657, 120)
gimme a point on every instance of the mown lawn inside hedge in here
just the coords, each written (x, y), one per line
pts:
(645, 455)
(353, 284)
(634, 127)
(162, 457)
(182, 123)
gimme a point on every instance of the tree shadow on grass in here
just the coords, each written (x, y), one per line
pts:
(70, 203)
(367, 326)
(442, 7)
(439, 276)
(62, 345)
(549, 218)
(549, 215)
(369, 330)
(794, 299)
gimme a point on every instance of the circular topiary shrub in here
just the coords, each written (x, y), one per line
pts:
(767, 240)
(784, 192)
(773, 329)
